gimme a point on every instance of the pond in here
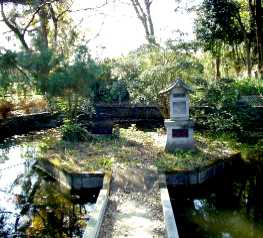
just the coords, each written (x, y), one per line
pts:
(226, 206)
(32, 204)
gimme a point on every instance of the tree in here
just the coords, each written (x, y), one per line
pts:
(150, 69)
(12, 74)
(219, 24)
(256, 11)
(46, 34)
(143, 12)
(73, 82)
(45, 20)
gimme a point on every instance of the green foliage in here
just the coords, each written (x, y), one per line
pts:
(249, 86)
(12, 76)
(254, 151)
(110, 91)
(72, 84)
(149, 70)
(73, 132)
(222, 111)
(221, 94)
(217, 24)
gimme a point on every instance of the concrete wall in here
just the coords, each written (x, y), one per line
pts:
(169, 218)
(74, 181)
(198, 176)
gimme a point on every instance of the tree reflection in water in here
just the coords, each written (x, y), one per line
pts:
(34, 205)
(230, 206)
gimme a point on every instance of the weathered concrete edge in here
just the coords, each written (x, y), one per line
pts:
(169, 220)
(200, 175)
(96, 217)
(94, 224)
(71, 180)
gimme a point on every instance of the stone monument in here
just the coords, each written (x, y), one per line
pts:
(179, 127)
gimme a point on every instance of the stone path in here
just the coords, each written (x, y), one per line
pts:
(134, 208)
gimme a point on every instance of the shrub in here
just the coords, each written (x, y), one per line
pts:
(34, 105)
(74, 132)
(5, 108)
(249, 86)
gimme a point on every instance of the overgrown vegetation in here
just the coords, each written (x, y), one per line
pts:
(54, 71)
(73, 132)
(135, 148)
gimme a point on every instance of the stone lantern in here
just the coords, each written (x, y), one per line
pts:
(179, 127)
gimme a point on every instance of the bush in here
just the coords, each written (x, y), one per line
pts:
(218, 111)
(249, 86)
(5, 108)
(73, 132)
(34, 105)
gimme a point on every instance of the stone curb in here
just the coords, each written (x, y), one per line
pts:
(169, 220)
(71, 180)
(199, 175)
(94, 224)
(96, 217)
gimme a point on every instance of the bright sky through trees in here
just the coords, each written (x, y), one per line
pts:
(118, 30)
(114, 30)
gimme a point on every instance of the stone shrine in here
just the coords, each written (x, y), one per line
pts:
(179, 127)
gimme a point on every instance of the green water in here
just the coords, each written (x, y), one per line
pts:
(229, 206)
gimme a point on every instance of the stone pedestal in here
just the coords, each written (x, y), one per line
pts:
(179, 135)
(179, 128)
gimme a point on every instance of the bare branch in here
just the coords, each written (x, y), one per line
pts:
(146, 19)
(26, 2)
(98, 33)
(31, 20)
(14, 28)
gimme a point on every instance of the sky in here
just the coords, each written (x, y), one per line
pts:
(119, 31)
(114, 29)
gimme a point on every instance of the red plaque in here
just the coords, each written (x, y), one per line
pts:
(180, 133)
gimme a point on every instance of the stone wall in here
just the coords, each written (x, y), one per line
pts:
(26, 123)
(107, 115)
(127, 112)
(141, 115)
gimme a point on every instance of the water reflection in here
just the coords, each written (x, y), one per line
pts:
(229, 206)
(35, 205)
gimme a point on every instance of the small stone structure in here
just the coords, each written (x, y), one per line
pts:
(179, 127)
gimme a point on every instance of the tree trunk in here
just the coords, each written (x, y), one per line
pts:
(144, 15)
(248, 58)
(259, 33)
(152, 39)
(255, 8)
(43, 15)
(247, 38)
(217, 67)
(55, 23)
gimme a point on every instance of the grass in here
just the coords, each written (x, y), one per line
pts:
(132, 148)
(137, 148)
(209, 148)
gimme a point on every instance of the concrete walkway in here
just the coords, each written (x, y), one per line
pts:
(134, 208)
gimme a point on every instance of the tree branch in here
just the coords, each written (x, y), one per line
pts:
(31, 20)
(55, 23)
(14, 28)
